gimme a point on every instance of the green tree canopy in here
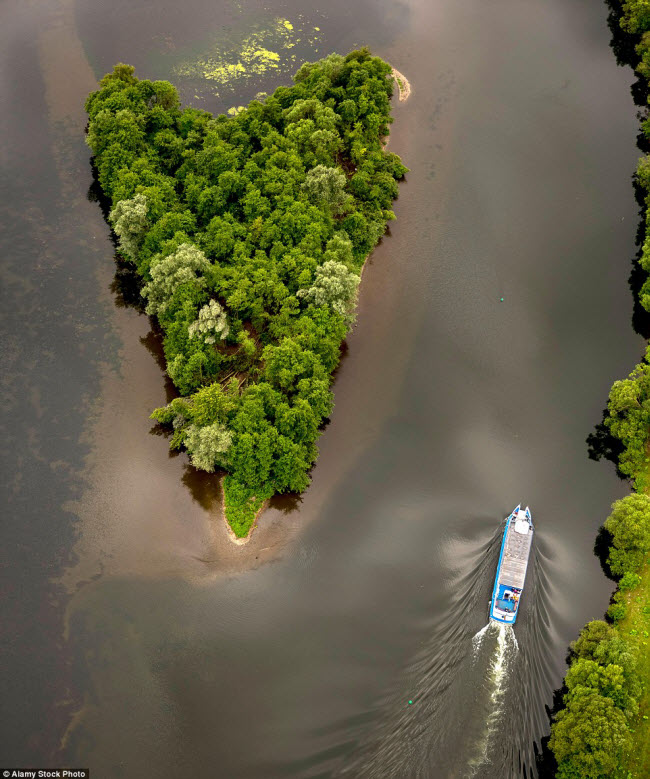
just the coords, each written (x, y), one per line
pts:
(325, 187)
(608, 680)
(590, 638)
(628, 419)
(629, 524)
(636, 16)
(588, 737)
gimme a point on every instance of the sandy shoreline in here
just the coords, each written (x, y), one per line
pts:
(403, 85)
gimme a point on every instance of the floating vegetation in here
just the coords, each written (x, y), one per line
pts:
(257, 53)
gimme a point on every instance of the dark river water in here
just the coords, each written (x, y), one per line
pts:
(137, 639)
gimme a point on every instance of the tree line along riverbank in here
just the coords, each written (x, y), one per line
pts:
(249, 234)
(603, 727)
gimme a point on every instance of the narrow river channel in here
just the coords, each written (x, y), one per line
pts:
(346, 639)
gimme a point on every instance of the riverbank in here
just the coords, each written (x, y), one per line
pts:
(599, 732)
(635, 629)
(630, 25)
(603, 729)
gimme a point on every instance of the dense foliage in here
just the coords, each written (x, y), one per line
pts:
(629, 402)
(591, 734)
(249, 234)
(634, 19)
(629, 526)
(628, 419)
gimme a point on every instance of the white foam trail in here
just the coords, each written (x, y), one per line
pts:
(505, 650)
(505, 640)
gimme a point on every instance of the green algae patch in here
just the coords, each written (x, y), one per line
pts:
(253, 55)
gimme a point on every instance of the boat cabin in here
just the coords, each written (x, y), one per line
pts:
(507, 601)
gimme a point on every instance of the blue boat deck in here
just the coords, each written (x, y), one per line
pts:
(507, 598)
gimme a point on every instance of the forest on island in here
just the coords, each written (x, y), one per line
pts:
(249, 234)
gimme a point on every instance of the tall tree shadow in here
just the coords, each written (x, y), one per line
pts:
(602, 445)
(623, 45)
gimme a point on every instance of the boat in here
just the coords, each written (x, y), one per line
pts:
(513, 562)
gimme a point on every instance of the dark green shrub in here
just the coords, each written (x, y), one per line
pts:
(616, 612)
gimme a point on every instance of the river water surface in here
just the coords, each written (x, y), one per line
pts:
(346, 638)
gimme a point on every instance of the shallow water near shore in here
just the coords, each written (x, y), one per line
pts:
(141, 641)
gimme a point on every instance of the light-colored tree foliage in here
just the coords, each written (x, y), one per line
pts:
(334, 286)
(211, 325)
(168, 273)
(325, 187)
(208, 445)
(629, 524)
(129, 220)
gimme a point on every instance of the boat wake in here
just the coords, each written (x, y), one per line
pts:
(501, 630)
(504, 649)
(475, 704)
